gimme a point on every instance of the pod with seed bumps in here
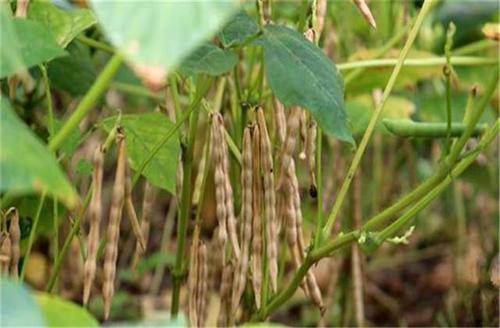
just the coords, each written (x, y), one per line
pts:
(257, 237)
(113, 232)
(220, 191)
(240, 277)
(95, 213)
(269, 200)
(231, 220)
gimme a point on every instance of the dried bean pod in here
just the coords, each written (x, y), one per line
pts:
(15, 237)
(241, 273)
(113, 233)
(280, 121)
(365, 10)
(5, 253)
(220, 191)
(269, 200)
(202, 290)
(193, 279)
(293, 125)
(95, 214)
(225, 295)
(257, 237)
(231, 220)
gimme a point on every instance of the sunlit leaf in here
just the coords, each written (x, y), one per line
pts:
(26, 164)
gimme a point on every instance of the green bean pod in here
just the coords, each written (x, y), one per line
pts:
(409, 129)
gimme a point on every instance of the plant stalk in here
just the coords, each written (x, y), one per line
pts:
(88, 102)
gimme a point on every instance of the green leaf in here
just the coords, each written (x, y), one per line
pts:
(17, 306)
(161, 32)
(143, 132)
(25, 44)
(301, 75)
(360, 110)
(238, 30)
(75, 73)
(65, 25)
(209, 59)
(26, 165)
(60, 313)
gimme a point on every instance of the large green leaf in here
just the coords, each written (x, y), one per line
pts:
(143, 133)
(161, 32)
(25, 44)
(65, 25)
(301, 75)
(238, 30)
(17, 307)
(26, 165)
(75, 73)
(209, 59)
(60, 313)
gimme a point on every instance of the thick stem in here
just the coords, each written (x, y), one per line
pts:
(375, 117)
(91, 97)
(185, 205)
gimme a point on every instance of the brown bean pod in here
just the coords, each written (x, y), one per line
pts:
(95, 216)
(269, 200)
(231, 220)
(5, 253)
(241, 273)
(220, 191)
(15, 237)
(113, 233)
(257, 237)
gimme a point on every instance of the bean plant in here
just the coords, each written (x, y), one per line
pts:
(216, 155)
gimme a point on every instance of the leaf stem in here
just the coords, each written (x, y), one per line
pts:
(88, 102)
(32, 235)
(375, 117)
(96, 44)
(418, 62)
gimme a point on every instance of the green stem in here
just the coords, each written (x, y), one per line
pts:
(135, 90)
(419, 62)
(375, 117)
(185, 205)
(397, 225)
(313, 257)
(95, 44)
(88, 102)
(31, 239)
(172, 83)
(67, 243)
(410, 129)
